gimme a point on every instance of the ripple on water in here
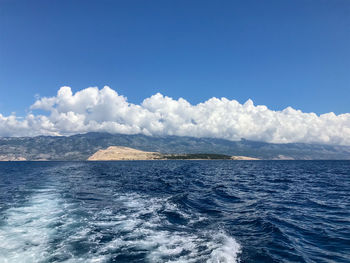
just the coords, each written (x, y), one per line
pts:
(176, 211)
(136, 227)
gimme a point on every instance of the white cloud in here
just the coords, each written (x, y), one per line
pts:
(94, 109)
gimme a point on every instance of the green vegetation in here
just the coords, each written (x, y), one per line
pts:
(191, 156)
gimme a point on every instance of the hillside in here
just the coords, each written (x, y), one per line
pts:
(123, 153)
(81, 146)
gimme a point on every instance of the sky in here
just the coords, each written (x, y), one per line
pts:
(281, 54)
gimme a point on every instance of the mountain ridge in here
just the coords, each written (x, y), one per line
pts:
(80, 146)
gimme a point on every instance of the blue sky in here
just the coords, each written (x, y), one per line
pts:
(278, 53)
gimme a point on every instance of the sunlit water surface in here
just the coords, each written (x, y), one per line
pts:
(175, 211)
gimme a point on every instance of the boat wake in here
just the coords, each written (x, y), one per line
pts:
(26, 230)
(46, 228)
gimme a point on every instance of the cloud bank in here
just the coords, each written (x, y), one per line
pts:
(104, 110)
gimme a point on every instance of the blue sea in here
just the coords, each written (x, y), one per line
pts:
(175, 211)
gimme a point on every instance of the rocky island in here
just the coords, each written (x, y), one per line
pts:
(114, 153)
(119, 153)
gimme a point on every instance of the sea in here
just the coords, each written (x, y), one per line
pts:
(175, 211)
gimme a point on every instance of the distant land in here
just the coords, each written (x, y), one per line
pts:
(123, 153)
(118, 153)
(82, 146)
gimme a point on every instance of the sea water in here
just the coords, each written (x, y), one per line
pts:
(175, 211)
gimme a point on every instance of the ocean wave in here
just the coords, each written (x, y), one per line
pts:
(48, 229)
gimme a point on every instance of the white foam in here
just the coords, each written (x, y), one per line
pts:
(25, 233)
(137, 233)
(45, 227)
(227, 252)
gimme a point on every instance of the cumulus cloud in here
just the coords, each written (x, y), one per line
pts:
(94, 109)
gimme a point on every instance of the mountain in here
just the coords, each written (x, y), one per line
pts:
(81, 146)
